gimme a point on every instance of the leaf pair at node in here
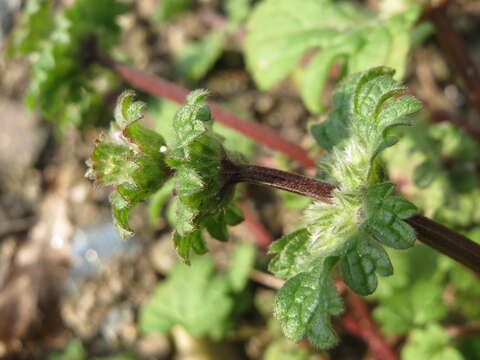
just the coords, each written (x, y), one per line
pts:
(362, 214)
(204, 198)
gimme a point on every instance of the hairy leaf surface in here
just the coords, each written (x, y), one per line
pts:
(205, 201)
(130, 157)
(361, 216)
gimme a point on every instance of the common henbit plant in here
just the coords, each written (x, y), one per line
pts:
(355, 215)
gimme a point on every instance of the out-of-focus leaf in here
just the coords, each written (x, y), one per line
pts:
(284, 349)
(168, 10)
(63, 82)
(430, 343)
(280, 32)
(33, 28)
(196, 297)
(237, 10)
(73, 351)
(412, 297)
(199, 56)
(240, 265)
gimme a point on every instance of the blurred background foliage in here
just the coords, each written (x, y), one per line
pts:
(70, 288)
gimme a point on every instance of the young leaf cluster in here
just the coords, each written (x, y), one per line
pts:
(204, 199)
(131, 158)
(363, 213)
(280, 33)
(62, 83)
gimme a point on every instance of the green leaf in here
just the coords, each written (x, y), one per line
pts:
(360, 264)
(216, 226)
(159, 199)
(195, 297)
(280, 33)
(304, 306)
(318, 69)
(295, 304)
(130, 158)
(292, 256)
(164, 113)
(320, 332)
(364, 107)
(384, 217)
(191, 241)
(233, 215)
(430, 343)
(237, 10)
